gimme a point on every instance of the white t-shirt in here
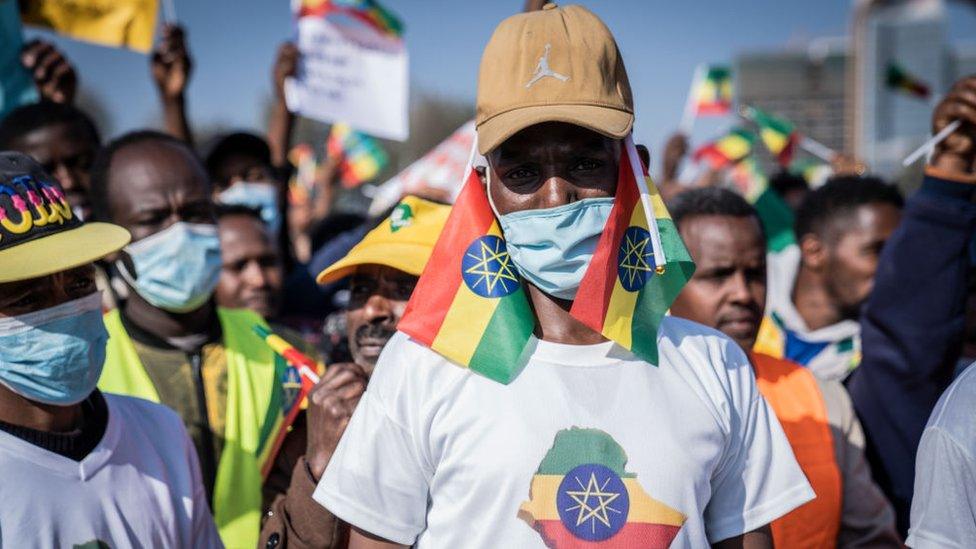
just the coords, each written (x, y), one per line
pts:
(139, 487)
(442, 457)
(944, 505)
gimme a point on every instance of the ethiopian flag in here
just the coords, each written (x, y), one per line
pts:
(899, 79)
(367, 12)
(713, 95)
(730, 148)
(469, 304)
(778, 134)
(774, 213)
(362, 156)
(639, 266)
(583, 496)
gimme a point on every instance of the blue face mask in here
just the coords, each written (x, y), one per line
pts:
(552, 248)
(176, 269)
(260, 196)
(55, 355)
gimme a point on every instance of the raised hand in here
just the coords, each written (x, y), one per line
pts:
(53, 75)
(957, 152)
(171, 64)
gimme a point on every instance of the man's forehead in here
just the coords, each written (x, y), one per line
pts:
(560, 137)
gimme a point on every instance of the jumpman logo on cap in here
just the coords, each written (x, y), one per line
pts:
(542, 70)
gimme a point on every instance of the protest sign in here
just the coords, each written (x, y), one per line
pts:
(116, 23)
(350, 72)
(441, 168)
(16, 86)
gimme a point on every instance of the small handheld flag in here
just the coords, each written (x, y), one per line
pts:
(898, 78)
(366, 12)
(362, 156)
(306, 370)
(778, 134)
(710, 95)
(775, 215)
(730, 148)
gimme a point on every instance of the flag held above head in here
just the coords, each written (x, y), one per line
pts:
(897, 78)
(728, 149)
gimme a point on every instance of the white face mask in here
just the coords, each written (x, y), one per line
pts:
(177, 269)
(259, 195)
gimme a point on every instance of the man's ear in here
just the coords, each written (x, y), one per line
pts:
(813, 252)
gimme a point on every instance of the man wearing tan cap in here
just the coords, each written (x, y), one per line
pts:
(588, 446)
(382, 270)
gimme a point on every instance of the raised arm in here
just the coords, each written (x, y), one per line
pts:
(913, 323)
(281, 121)
(171, 65)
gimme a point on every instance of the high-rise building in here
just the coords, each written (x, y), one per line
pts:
(889, 124)
(805, 87)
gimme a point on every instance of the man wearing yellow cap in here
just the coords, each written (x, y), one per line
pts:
(589, 445)
(77, 467)
(383, 270)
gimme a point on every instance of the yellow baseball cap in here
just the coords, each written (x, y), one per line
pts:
(558, 64)
(403, 241)
(39, 234)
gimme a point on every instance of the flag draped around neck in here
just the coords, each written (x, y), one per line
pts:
(639, 267)
(470, 304)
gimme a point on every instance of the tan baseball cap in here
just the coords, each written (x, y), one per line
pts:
(559, 64)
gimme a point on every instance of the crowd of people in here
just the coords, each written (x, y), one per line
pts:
(817, 395)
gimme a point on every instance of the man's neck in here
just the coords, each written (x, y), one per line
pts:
(811, 299)
(17, 410)
(555, 324)
(169, 326)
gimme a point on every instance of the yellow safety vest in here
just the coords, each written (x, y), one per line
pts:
(251, 388)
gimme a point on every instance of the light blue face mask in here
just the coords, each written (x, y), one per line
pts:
(261, 196)
(55, 355)
(553, 247)
(176, 269)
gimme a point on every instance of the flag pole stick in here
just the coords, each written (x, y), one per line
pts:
(931, 143)
(635, 165)
(688, 117)
(169, 11)
(817, 149)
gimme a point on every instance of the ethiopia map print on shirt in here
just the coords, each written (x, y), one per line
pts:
(583, 496)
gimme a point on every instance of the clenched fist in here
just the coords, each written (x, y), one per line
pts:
(330, 405)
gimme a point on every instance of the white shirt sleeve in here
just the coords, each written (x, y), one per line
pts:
(758, 479)
(378, 477)
(945, 493)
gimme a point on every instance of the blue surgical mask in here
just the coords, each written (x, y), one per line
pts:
(261, 196)
(552, 247)
(54, 355)
(176, 269)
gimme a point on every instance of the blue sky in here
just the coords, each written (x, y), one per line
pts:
(234, 42)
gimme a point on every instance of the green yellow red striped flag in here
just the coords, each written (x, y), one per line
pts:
(469, 304)
(729, 148)
(713, 95)
(362, 156)
(367, 12)
(779, 135)
(774, 213)
(639, 266)
(583, 496)
(898, 78)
